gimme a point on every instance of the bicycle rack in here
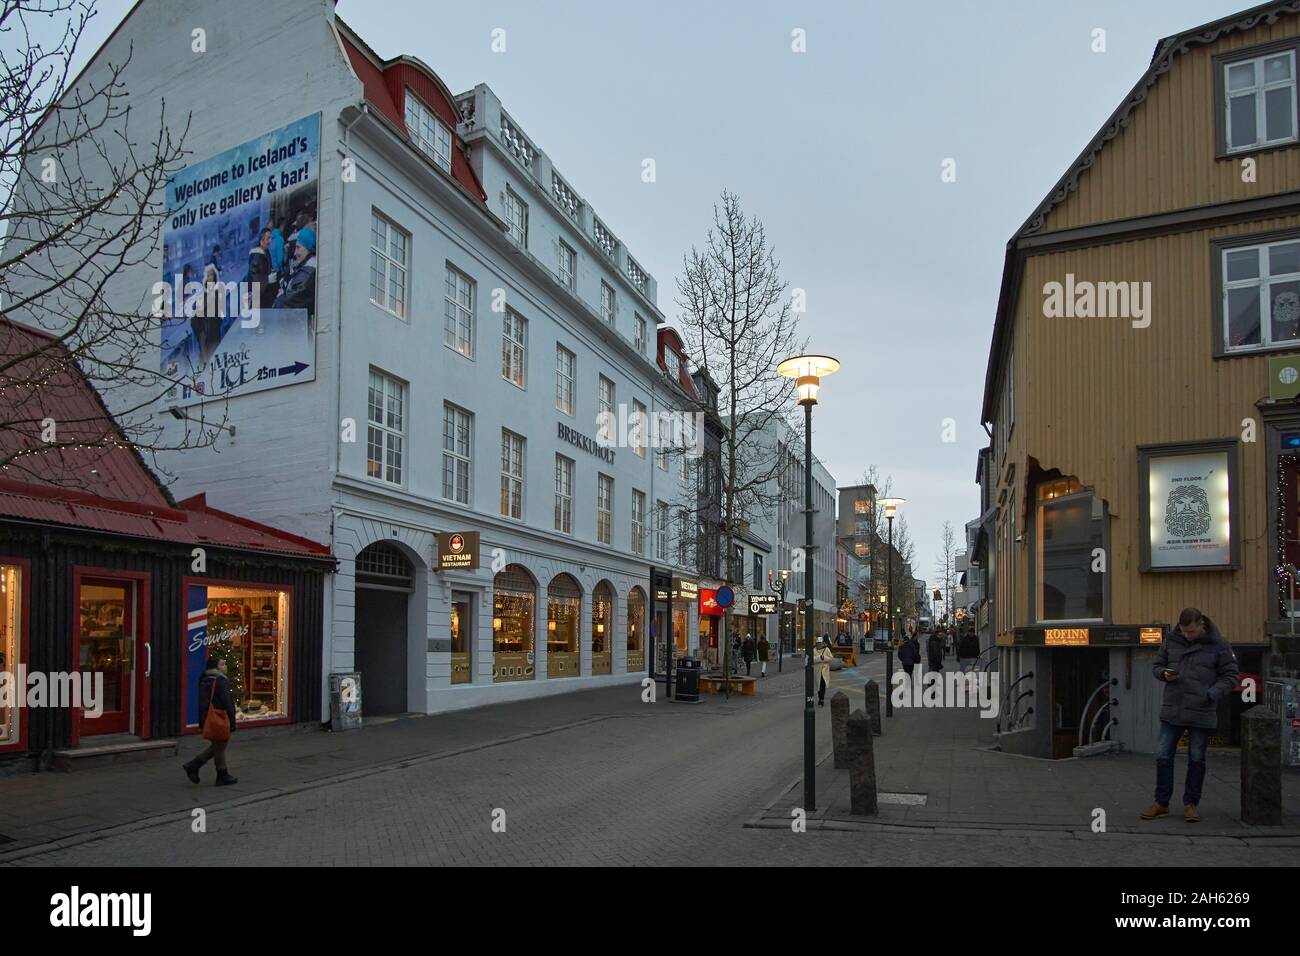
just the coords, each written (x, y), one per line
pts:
(1006, 698)
(1083, 716)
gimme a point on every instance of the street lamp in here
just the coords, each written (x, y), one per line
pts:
(807, 372)
(778, 588)
(891, 507)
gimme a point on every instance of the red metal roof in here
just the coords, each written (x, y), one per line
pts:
(106, 488)
(386, 82)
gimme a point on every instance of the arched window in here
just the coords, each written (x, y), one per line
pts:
(514, 608)
(635, 630)
(602, 628)
(563, 611)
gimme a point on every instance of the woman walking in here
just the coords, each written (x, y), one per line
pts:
(934, 651)
(822, 669)
(214, 692)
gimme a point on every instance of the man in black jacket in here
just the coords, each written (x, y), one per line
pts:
(1198, 669)
(214, 688)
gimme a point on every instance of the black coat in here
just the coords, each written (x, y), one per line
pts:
(1207, 672)
(910, 652)
(934, 651)
(748, 650)
(968, 645)
(221, 698)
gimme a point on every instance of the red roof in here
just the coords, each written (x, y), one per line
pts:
(104, 487)
(386, 82)
(669, 340)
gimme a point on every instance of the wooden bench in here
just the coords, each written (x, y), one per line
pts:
(847, 654)
(714, 684)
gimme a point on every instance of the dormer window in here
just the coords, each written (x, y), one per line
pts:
(674, 363)
(430, 134)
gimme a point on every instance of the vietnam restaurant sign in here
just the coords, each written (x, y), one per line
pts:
(1188, 506)
(237, 296)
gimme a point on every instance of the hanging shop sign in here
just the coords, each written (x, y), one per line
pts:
(709, 602)
(1188, 506)
(458, 551)
(762, 604)
(1283, 377)
(685, 590)
(237, 296)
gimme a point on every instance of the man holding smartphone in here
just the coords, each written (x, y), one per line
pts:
(1198, 669)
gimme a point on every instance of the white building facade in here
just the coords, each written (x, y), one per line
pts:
(473, 318)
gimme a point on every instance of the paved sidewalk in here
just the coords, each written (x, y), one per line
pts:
(946, 756)
(55, 808)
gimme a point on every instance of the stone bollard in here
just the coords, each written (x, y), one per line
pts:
(873, 707)
(840, 728)
(1261, 767)
(862, 766)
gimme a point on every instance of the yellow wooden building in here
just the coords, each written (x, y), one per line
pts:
(1141, 391)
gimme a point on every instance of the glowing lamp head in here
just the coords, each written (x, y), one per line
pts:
(808, 372)
(496, 623)
(890, 505)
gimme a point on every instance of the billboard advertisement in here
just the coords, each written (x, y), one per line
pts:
(237, 298)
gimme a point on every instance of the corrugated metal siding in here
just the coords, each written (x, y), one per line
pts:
(1165, 158)
(1089, 391)
(52, 621)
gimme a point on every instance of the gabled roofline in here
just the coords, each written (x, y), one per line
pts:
(1162, 59)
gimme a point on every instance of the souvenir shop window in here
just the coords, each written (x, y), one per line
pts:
(10, 643)
(248, 628)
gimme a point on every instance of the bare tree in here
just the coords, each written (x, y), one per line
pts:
(739, 324)
(944, 563)
(83, 207)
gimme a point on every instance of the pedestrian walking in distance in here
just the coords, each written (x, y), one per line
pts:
(749, 650)
(764, 652)
(1198, 669)
(214, 693)
(909, 655)
(968, 650)
(934, 651)
(822, 655)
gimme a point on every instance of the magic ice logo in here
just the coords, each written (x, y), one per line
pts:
(1187, 512)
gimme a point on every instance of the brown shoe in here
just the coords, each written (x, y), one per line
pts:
(1190, 814)
(1155, 810)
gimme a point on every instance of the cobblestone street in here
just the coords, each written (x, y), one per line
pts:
(610, 780)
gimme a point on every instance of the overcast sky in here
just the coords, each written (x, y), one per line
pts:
(837, 149)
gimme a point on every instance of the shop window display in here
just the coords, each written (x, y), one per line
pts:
(10, 643)
(514, 600)
(248, 628)
(602, 628)
(635, 629)
(563, 608)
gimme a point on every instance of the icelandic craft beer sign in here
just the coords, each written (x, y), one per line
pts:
(458, 551)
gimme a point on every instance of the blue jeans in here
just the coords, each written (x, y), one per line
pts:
(1169, 737)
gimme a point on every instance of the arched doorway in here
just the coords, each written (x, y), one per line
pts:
(514, 609)
(563, 615)
(635, 630)
(384, 582)
(602, 628)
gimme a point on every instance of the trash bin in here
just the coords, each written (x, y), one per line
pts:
(688, 680)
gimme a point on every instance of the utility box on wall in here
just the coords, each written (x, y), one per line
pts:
(1282, 696)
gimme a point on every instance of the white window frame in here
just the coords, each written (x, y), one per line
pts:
(512, 474)
(638, 522)
(1262, 283)
(568, 265)
(640, 426)
(1258, 91)
(604, 508)
(460, 419)
(430, 135)
(391, 438)
(661, 530)
(608, 303)
(389, 264)
(639, 331)
(563, 494)
(566, 379)
(458, 317)
(514, 348)
(517, 218)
